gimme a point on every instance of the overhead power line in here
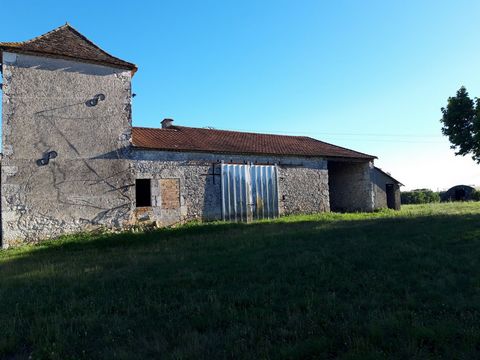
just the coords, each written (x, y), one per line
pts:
(342, 134)
(370, 137)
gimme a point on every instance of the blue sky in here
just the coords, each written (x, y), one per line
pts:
(368, 75)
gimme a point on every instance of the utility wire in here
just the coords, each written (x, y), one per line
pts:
(369, 137)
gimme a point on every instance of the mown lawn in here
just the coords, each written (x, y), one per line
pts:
(387, 285)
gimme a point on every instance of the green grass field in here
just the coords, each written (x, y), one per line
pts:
(386, 285)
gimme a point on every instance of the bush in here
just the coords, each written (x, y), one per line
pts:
(420, 196)
(476, 195)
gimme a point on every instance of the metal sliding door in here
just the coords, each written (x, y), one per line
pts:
(249, 192)
(264, 191)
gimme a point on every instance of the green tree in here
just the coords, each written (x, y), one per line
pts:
(476, 195)
(461, 123)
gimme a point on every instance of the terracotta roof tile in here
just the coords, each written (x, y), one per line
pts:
(66, 42)
(180, 138)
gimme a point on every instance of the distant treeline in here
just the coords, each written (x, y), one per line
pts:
(424, 196)
(420, 196)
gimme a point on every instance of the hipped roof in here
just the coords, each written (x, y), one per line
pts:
(67, 43)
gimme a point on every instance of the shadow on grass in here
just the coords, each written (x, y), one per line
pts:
(380, 228)
(402, 286)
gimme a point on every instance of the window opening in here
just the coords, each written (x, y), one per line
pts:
(143, 192)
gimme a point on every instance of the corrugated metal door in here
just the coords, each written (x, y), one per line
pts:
(249, 192)
(264, 191)
(236, 194)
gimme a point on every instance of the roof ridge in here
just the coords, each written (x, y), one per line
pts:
(341, 147)
(36, 37)
(154, 128)
(223, 130)
(67, 25)
(245, 132)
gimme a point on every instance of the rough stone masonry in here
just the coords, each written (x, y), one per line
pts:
(44, 110)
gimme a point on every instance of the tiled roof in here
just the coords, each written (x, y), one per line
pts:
(67, 43)
(180, 138)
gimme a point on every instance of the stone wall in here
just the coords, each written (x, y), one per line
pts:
(45, 109)
(303, 183)
(350, 186)
(303, 190)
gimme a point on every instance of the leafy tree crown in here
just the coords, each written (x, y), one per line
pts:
(461, 124)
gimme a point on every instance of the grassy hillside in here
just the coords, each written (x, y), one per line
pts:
(383, 285)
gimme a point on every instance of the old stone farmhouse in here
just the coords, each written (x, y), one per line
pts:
(72, 160)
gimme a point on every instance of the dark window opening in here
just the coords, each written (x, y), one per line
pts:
(143, 193)
(460, 195)
(390, 190)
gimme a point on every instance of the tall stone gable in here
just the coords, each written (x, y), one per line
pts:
(66, 129)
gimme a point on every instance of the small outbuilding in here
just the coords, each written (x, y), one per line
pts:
(458, 193)
(386, 189)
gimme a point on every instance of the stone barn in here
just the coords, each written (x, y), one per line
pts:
(72, 160)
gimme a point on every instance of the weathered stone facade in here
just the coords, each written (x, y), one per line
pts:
(303, 190)
(350, 186)
(303, 183)
(45, 109)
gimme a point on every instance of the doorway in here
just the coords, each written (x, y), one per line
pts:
(249, 192)
(390, 191)
(460, 195)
